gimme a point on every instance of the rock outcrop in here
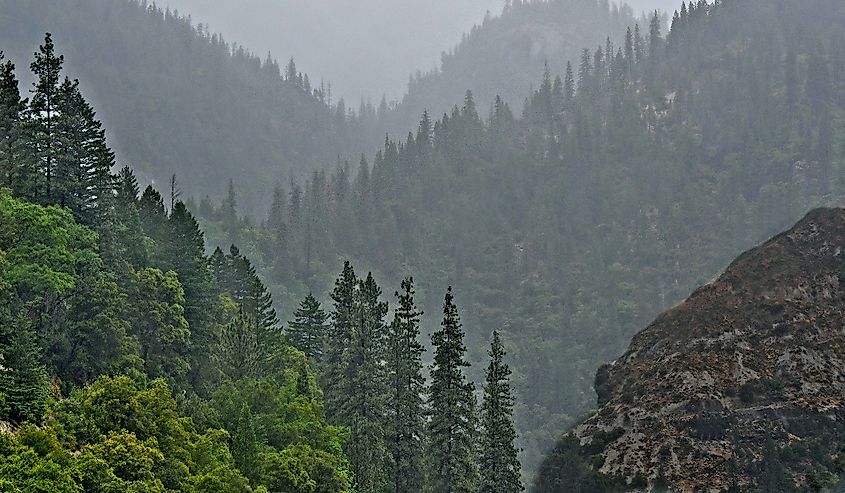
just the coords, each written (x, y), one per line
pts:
(741, 387)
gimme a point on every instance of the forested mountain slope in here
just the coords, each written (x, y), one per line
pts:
(177, 99)
(505, 55)
(736, 389)
(626, 184)
(126, 362)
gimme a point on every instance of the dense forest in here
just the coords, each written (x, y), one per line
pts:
(504, 55)
(622, 184)
(177, 99)
(130, 360)
(141, 349)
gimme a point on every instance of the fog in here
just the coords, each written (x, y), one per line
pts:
(365, 48)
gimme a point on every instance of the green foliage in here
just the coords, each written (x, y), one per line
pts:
(307, 331)
(452, 421)
(406, 389)
(499, 465)
(256, 127)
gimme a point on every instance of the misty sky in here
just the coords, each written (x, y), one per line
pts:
(364, 47)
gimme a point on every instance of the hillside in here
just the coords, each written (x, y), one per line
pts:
(739, 388)
(177, 99)
(506, 54)
(572, 227)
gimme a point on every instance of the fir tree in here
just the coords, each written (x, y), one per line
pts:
(406, 386)
(500, 468)
(185, 254)
(47, 68)
(244, 444)
(307, 331)
(16, 166)
(452, 423)
(23, 377)
(239, 353)
(569, 84)
(363, 408)
(337, 340)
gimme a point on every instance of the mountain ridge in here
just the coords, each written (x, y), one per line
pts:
(746, 372)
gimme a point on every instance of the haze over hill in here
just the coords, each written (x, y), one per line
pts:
(346, 41)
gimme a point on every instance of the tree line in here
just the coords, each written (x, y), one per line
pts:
(619, 186)
(404, 434)
(121, 341)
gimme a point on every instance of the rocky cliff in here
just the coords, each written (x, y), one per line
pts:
(740, 387)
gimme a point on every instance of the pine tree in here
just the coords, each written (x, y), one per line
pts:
(307, 330)
(239, 352)
(245, 445)
(46, 67)
(241, 282)
(337, 340)
(569, 84)
(363, 408)
(452, 423)
(16, 166)
(406, 386)
(23, 377)
(500, 468)
(185, 254)
(584, 72)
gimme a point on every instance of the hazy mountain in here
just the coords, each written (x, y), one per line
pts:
(337, 39)
(178, 100)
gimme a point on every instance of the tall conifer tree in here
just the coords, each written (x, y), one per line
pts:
(452, 424)
(363, 408)
(47, 68)
(307, 330)
(406, 386)
(500, 468)
(337, 340)
(16, 166)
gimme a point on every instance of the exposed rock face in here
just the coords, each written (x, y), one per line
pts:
(740, 387)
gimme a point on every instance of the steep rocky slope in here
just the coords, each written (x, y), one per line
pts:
(740, 387)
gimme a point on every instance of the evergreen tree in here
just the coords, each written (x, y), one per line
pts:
(307, 331)
(338, 339)
(240, 354)
(245, 445)
(452, 422)
(16, 167)
(569, 84)
(363, 408)
(500, 468)
(47, 68)
(185, 254)
(23, 378)
(406, 411)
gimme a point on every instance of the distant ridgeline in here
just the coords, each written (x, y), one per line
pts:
(504, 55)
(629, 180)
(131, 361)
(180, 100)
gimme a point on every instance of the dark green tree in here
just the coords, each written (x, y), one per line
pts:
(17, 170)
(240, 355)
(333, 372)
(185, 254)
(23, 377)
(452, 422)
(307, 331)
(47, 68)
(405, 407)
(244, 444)
(363, 408)
(499, 464)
